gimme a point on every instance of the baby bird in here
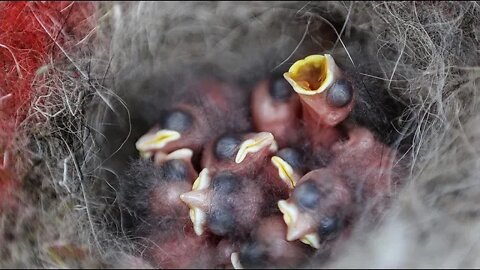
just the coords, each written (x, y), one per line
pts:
(319, 207)
(239, 152)
(206, 112)
(367, 164)
(224, 203)
(326, 95)
(276, 109)
(154, 192)
(275, 173)
(268, 248)
(325, 201)
(180, 127)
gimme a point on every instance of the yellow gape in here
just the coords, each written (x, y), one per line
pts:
(312, 75)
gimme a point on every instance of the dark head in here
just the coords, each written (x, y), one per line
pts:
(177, 120)
(340, 94)
(253, 255)
(226, 147)
(175, 170)
(293, 157)
(279, 89)
(308, 213)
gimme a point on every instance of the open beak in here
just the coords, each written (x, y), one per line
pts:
(256, 144)
(157, 140)
(198, 200)
(285, 171)
(313, 75)
(299, 226)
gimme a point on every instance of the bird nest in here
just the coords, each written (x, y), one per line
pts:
(187, 134)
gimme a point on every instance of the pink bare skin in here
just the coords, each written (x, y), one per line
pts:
(242, 198)
(272, 184)
(277, 251)
(333, 191)
(225, 248)
(366, 163)
(180, 249)
(278, 116)
(361, 166)
(193, 137)
(211, 101)
(324, 204)
(323, 112)
(177, 176)
(218, 95)
(164, 200)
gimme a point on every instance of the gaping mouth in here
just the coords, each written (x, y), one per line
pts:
(285, 171)
(257, 143)
(197, 201)
(312, 75)
(157, 140)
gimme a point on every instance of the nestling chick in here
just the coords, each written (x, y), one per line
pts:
(155, 190)
(268, 248)
(327, 97)
(224, 203)
(239, 153)
(366, 163)
(276, 109)
(319, 207)
(254, 157)
(192, 122)
(180, 127)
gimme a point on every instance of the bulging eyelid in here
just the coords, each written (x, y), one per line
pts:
(279, 89)
(329, 226)
(177, 119)
(226, 147)
(340, 94)
(225, 183)
(307, 195)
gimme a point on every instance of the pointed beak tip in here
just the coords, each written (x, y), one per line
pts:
(281, 204)
(291, 238)
(235, 260)
(293, 235)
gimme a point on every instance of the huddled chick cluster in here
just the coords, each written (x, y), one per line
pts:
(278, 196)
